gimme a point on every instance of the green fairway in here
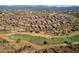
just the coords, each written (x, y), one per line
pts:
(40, 40)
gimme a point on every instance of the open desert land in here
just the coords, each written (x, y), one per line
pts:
(39, 31)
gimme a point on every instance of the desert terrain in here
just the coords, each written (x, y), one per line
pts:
(39, 31)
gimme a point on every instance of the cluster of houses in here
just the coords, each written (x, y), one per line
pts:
(53, 23)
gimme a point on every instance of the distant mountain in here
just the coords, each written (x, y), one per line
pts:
(39, 7)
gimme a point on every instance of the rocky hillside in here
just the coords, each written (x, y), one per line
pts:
(60, 49)
(53, 23)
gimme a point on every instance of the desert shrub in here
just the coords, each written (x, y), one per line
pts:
(37, 31)
(29, 46)
(30, 31)
(44, 50)
(3, 40)
(18, 40)
(66, 42)
(20, 49)
(72, 46)
(55, 50)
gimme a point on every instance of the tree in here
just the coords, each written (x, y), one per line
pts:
(45, 42)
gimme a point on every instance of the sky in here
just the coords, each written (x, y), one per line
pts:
(39, 2)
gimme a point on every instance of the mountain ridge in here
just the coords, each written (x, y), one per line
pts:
(40, 7)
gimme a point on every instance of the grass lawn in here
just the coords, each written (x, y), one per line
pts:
(39, 40)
